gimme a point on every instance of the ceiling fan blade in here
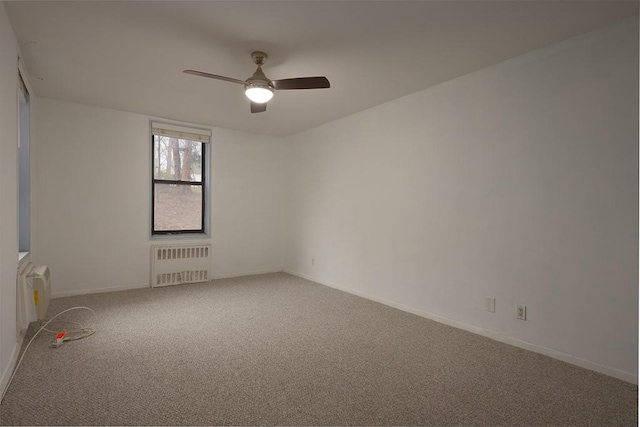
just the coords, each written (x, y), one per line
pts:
(258, 108)
(213, 76)
(302, 83)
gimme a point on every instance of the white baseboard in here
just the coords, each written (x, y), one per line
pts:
(8, 370)
(252, 273)
(565, 357)
(146, 285)
(98, 290)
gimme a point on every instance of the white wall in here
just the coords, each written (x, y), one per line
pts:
(94, 204)
(8, 195)
(519, 182)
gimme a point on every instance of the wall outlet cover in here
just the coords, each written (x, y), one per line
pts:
(490, 304)
(521, 312)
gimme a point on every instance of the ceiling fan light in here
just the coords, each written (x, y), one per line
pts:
(259, 94)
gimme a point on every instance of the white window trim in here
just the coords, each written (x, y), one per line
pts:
(162, 127)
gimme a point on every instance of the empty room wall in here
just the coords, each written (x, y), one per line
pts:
(8, 196)
(518, 182)
(93, 190)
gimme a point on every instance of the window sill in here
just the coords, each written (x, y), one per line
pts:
(23, 257)
(181, 236)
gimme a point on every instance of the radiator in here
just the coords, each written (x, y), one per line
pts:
(34, 293)
(25, 310)
(40, 278)
(177, 264)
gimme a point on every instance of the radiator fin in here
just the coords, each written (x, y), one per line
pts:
(164, 253)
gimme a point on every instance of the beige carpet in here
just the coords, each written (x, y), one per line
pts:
(279, 350)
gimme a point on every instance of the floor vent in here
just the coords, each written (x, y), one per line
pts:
(178, 264)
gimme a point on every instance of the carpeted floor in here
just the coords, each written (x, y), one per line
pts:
(279, 350)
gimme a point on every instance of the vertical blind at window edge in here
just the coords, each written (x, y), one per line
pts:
(181, 132)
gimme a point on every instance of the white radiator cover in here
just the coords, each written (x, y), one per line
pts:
(25, 310)
(34, 294)
(40, 278)
(178, 264)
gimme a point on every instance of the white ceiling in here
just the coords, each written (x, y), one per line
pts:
(129, 55)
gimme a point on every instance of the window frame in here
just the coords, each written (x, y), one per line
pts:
(203, 183)
(24, 162)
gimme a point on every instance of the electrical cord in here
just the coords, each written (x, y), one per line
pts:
(88, 331)
(79, 330)
(64, 321)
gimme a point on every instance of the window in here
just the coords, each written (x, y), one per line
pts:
(178, 179)
(24, 169)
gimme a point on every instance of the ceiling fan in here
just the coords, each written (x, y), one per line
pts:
(259, 89)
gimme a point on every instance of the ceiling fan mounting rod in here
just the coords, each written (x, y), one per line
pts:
(259, 58)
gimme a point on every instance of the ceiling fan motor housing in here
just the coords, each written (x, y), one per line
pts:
(259, 81)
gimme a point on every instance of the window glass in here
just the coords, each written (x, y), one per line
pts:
(177, 207)
(177, 159)
(178, 185)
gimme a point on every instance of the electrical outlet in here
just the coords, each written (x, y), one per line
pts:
(521, 312)
(313, 261)
(490, 304)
